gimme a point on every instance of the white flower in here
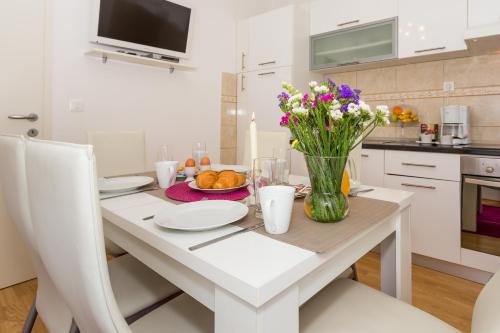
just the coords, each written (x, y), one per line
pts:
(295, 100)
(300, 110)
(353, 109)
(336, 114)
(321, 89)
(336, 105)
(383, 110)
(364, 107)
(313, 84)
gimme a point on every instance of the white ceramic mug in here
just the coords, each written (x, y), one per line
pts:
(166, 171)
(277, 205)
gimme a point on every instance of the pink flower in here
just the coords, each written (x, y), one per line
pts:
(327, 98)
(284, 119)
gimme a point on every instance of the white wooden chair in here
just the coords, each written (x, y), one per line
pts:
(64, 205)
(118, 153)
(137, 288)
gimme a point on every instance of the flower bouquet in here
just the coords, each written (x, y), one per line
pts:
(326, 124)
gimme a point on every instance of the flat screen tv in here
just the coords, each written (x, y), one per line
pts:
(155, 26)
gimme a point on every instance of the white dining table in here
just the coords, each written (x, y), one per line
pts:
(251, 282)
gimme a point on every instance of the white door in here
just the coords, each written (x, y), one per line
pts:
(21, 94)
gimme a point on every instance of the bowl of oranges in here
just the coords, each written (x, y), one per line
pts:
(403, 114)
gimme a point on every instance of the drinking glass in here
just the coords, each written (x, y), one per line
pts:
(199, 151)
(283, 164)
(164, 154)
(264, 173)
(352, 170)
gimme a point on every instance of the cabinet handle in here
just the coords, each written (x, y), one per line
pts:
(482, 182)
(418, 165)
(267, 63)
(419, 186)
(365, 155)
(242, 82)
(347, 23)
(266, 73)
(348, 63)
(433, 49)
(243, 55)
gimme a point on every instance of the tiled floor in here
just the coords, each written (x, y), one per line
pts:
(442, 295)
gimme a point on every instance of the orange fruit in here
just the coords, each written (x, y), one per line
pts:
(397, 110)
(346, 185)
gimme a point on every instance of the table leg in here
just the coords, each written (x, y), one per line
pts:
(280, 314)
(395, 255)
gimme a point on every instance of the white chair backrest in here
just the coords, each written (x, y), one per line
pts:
(67, 221)
(486, 317)
(118, 152)
(267, 143)
(49, 303)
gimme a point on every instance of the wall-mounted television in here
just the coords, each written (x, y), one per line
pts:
(155, 26)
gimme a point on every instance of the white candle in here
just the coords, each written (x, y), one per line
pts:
(253, 140)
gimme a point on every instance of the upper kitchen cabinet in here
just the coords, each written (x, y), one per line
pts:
(430, 27)
(483, 12)
(266, 41)
(351, 46)
(328, 15)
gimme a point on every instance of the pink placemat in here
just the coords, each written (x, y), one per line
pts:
(182, 192)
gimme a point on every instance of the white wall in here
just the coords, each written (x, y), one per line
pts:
(178, 109)
(247, 8)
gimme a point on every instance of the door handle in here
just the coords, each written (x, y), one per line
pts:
(419, 186)
(347, 23)
(428, 50)
(242, 83)
(266, 73)
(418, 165)
(267, 63)
(482, 182)
(30, 117)
(243, 67)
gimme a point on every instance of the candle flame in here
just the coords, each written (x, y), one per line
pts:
(253, 116)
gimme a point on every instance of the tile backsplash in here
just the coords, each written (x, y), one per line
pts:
(476, 81)
(228, 119)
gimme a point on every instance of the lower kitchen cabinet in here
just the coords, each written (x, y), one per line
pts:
(435, 215)
(372, 167)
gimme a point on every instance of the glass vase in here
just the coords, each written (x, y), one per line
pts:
(326, 202)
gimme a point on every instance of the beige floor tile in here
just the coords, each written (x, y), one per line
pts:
(228, 137)
(348, 78)
(228, 156)
(228, 114)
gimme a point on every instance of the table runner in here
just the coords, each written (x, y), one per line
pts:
(320, 237)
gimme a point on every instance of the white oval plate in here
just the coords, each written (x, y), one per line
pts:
(236, 168)
(201, 215)
(121, 184)
(195, 187)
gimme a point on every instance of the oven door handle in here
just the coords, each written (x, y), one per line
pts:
(482, 182)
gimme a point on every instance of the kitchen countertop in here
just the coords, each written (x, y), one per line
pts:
(407, 145)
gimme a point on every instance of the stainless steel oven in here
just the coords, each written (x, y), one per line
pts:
(481, 204)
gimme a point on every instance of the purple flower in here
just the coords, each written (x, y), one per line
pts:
(346, 92)
(331, 83)
(357, 91)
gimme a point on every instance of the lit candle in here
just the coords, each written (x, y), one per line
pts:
(253, 140)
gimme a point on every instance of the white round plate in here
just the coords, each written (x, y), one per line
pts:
(236, 168)
(195, 187)
(201, 215)
(121, 184)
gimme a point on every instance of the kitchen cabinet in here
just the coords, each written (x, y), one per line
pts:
(435, 215)
(267, 40)
(483, 12)
(430, 27)
(328, 15)
(242, 45)
(257, 93)
(372, 167)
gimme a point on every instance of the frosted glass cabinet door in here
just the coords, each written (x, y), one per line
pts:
(365, 43)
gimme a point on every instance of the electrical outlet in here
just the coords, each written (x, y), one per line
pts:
(448, 86)
(76, 105)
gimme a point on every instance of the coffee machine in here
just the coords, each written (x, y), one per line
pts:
(455, 121)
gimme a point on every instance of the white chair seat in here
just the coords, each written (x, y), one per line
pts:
(181, 315)
(348, 306)
(136, 286)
